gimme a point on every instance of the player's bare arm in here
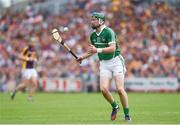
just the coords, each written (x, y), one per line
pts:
(25, 58)
(86, 55)
(22, 57)
(110, 49)
(92, 50)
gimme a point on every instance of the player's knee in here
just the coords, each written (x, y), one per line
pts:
(121, 91)
(22, 85)
(104, 89)
(34, 84)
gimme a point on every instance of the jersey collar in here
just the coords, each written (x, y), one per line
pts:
(102, 27)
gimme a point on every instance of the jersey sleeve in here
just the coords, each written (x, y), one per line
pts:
(24, 51)
(91, 39)
(111, 38)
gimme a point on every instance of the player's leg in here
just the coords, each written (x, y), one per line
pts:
(104, 87)
(32, 88)
(32, 83)
(118, 74)
(20, 86)
(119, 81)
(105, 79)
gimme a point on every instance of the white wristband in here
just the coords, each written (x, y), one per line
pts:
(99, 50)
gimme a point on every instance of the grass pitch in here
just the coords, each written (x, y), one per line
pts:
(83, 108)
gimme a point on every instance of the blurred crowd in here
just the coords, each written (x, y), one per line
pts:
(148, 35)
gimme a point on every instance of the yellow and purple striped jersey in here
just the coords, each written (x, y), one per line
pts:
(28, 51)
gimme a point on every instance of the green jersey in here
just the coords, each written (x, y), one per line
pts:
(102, 40)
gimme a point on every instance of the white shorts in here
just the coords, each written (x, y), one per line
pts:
(29, 73)
(112, 67)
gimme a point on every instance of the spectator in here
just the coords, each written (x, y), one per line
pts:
(149, 35)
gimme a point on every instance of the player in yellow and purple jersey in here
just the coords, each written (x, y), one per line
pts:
(29, 75)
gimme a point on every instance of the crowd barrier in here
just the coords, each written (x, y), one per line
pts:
(131, 84)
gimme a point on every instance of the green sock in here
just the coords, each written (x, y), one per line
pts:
(114, 105)
(126, 111)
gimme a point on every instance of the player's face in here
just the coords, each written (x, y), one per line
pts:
(31, 44)
(94, 23)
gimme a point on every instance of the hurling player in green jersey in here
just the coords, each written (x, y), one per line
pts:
(104, 43)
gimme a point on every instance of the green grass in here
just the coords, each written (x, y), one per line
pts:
(83, 108)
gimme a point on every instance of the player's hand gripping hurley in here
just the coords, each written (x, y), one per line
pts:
(58, 38)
